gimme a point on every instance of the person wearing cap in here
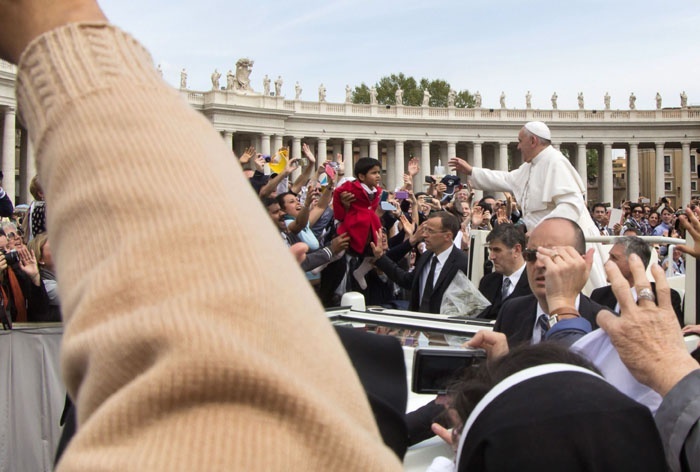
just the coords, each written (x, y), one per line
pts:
(546, 185)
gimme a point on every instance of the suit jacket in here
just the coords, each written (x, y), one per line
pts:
(517, 317)
(360, 221)
(458, 260)
(490, 286)
(606, 297)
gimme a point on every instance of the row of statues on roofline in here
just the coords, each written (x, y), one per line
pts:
(240, 82)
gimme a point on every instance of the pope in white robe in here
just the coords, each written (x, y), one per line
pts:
(546, 186)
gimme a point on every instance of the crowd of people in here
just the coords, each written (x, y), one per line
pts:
(178, 362)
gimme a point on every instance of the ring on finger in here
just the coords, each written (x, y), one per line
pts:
(646, 294)
(556, 254)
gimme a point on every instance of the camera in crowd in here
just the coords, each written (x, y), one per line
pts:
(434, 368)
(11, 258)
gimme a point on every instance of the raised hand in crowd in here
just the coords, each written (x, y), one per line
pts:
(346, 198)
(408, 227)
(28, 264)
(378, 249)
(259, 163)
(690, 222)
(341, 165)
(309, 155)
(248, 153)
(407, 182)
(566, 274)
(413, 167)
(340, 243)
(647, 335)
(495, 344)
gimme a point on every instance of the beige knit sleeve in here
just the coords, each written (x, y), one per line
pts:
(192, 339)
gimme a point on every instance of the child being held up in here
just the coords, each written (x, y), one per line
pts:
(358, 215)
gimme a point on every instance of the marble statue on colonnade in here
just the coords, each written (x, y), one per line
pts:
(606, 101)
(348, 94)
(580, 101)
(451, 96)
(658, 101)
(241, 83)
(477, 100)
(554, 100)
(266, 85)
(230, 78)
(373, 95)
(528, 100)
(426, 98)
(278, 86)
(215, 79)
(321, 93)
(297, 91)
(633, 102)
(503, 99)
(399, 96)
(684, 100)
(183, 78)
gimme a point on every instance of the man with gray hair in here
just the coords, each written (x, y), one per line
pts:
(622, 249)
(546, 185)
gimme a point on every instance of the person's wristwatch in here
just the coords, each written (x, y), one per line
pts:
(562, 313)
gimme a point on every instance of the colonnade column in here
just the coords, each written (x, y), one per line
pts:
(400, 165)
(390, 170)
(478, 162)
(633, 173)
(659, 160)
(503, 156)
(606, 183)
(8, 153)
(296, 152)
(265, 145)
(424, 165)
(451, 151)
(582, 165)
(685, 175)
(228, 139)
(374, 149)
(322, 151)
(278, 143)
(27, 168)
(348, 157)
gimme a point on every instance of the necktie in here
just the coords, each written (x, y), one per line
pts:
(543, 325)
(428, 289)
(505, 289)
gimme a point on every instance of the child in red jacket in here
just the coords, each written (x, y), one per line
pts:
(359, 218)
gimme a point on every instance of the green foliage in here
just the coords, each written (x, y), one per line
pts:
(412, 92)
(592, 164)
(361, 94)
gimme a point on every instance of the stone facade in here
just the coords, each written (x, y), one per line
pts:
(484, 136)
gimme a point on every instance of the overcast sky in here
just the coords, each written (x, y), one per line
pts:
(595, 46)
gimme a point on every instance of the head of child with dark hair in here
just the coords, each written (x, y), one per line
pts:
(355, 205)
(368, 171)
(508, 408)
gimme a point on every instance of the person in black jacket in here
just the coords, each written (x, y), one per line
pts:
(6, 207)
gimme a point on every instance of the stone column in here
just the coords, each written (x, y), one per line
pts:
(633, 173)
(424, 165)
(322, 150)
(400, 165)
(265, 145)
(8, 153)
(26, 168)
(228, 138)
(606, 181)
(374, 149)
(390, 172)
(278, 143)
(451, 151)
(478, 162)
(296, 152)
(348, 157)
(659, 159)
(581, 165)
(685, 175)
(503, 156)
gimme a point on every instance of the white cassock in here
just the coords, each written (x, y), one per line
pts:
(546, 187)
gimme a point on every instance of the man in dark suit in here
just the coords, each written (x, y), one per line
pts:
(528, 318)
(619, 254)
(435, 269)
(508, 279)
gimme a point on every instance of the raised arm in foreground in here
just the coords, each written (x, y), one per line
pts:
(177, 360)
